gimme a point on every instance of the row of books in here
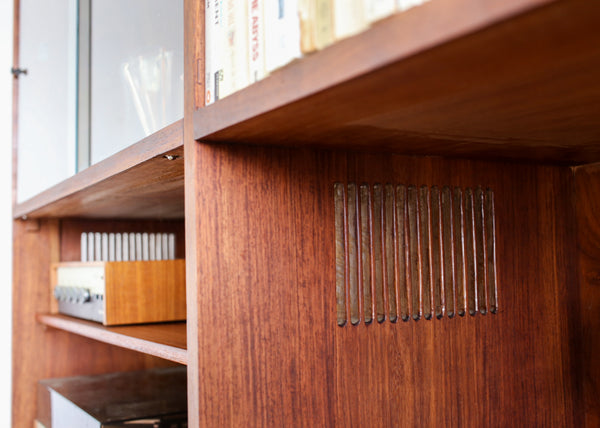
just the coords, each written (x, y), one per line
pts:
(245, 40)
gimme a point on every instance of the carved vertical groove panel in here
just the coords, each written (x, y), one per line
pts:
(413, 252)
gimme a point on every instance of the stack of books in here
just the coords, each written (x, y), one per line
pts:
(248, 39)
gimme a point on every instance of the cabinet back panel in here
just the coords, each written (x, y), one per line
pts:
(270, 350)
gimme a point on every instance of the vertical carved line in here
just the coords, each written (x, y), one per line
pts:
(448, 252)
(480, 251)
(425, 251)
(469, 233)
(413, 253)
(490, 239)
(459, 252)
(340, 254)
(365, 243)
(436, 253)
(401, 251)
(390, 253)
(377, 250)
(353, 254)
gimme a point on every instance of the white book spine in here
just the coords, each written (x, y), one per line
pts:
(91, 247)
(208, 52)
(235, 47)
(379, 9)
(138, 247)
(104, 247)
(97, 246)
(145, 248)
(349, 18)
(118, 247)
(282, 33)
(126, 247)
(152, 246)
(84, 247)
(171, 246)
(132, 245)
(256, 40)
(159, 248)
(111, 247)
(165, 246)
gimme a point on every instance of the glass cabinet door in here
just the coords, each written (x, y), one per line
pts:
(101, 75)
(47, 95)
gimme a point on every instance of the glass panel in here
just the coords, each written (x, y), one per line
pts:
(46, 128)
(136, 71)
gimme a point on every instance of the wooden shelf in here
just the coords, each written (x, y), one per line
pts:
(165, 340)
(512, 79)
(138, 182)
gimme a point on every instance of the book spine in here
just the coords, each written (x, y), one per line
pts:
(324, 23)
(306, 15)
(256, 41)
(208, 36)
(379, 9)
(282, 33)
(349, 18)
(214, 35)
(234, 47)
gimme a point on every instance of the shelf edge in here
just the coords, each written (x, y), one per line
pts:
(100, 334)
(160, 143)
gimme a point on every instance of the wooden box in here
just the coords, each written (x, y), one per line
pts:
(114, 293)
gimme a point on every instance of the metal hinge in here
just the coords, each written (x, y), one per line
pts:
(18, 71)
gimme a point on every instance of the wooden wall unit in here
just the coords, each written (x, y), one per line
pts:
(499, 95)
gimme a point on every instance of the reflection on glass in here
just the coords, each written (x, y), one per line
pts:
(136, 65)
(47, 109)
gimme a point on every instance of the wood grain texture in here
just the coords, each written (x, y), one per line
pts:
(164, 340)
(280, 358)
(501, 94)
(587, 348)
(38, 352)
(144, 292)
(193, 98)
(137, 182)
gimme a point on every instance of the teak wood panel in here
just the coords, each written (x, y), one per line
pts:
(193, 99)
(465, 78)
(128, 299)
(587, 347)
(39, 352)
(137, 182)
(270, 352)
(164, 340)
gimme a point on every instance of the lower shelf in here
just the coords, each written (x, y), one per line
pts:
(165, 340)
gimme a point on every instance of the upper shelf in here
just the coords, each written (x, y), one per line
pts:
(512, 79)
(143, 181)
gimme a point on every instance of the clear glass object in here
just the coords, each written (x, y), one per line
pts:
(101, 75)
(136, 65)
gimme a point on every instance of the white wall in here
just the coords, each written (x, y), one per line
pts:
(6, 15)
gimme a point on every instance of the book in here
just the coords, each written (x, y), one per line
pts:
(256, 40)
(282, 33)
(214, 33)
(324, 23)
(234, 47)
(349, 18)
(306, 15)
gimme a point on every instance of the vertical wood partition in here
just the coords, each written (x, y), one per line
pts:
(270, 350)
